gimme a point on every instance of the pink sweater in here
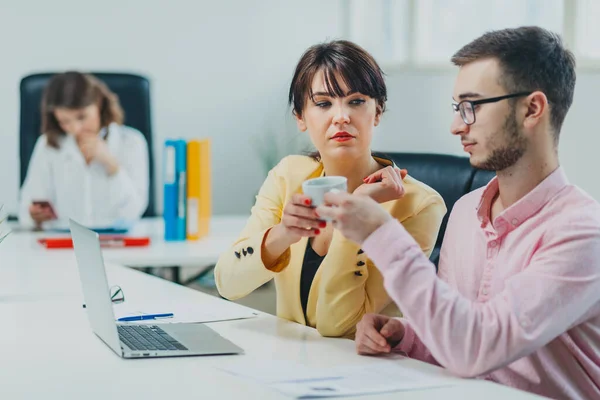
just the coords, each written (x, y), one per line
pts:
(516, 301)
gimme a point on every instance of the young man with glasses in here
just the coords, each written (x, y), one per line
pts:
(517, 296)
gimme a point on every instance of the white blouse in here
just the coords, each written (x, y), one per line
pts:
(85, 192)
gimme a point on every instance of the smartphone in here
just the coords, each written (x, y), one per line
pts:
(45, 204)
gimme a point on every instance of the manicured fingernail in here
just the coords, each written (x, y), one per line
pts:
(317, 231)
(307, 202)
(322, 224)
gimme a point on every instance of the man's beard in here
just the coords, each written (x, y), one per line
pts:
(507, 154)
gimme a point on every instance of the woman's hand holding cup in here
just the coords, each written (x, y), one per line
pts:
(299, 216)
(300, 219)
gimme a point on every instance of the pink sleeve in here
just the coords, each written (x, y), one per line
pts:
(557, 287)
(412, 346)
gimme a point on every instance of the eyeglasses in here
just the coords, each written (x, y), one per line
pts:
(117, 295)
(467, 107)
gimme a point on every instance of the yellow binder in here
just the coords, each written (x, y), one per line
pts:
(198, 189)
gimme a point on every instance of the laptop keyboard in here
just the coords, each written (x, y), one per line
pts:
(147, 337)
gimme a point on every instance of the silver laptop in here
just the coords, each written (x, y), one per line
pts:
(135, 340)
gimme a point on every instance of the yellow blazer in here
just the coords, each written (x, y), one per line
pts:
(347, 284)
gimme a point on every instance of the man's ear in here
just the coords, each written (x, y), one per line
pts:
(537, 105)
(300, 122)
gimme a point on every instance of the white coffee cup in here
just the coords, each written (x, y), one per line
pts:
(317, 187)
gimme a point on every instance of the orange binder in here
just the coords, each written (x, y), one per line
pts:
(198, 189)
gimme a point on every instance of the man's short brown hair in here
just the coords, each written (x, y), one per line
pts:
(531, 58)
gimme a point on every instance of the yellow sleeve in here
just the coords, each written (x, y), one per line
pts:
(424, 224)
(344, 295)
(240, 270)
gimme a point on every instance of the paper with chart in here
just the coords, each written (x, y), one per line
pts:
(361, 380)
(300, 381)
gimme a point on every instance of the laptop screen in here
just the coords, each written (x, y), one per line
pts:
(94, 284)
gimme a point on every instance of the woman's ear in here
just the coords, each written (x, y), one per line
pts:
(300, 122)
(378, 113)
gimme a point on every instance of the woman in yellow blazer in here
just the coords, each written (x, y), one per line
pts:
(322, 279)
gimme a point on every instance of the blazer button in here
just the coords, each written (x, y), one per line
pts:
(360, 263)
(238, 255)
(245, 252)
(357, 273)
(250, 250)
(360, 251)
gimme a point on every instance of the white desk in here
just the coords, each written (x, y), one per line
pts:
(48, 350)
(23, 246)
(224, 230)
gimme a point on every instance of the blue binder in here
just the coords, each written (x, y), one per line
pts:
(175, 189)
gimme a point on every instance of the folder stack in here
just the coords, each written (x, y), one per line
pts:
(187, 189)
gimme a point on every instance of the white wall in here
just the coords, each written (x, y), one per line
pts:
(220, 69)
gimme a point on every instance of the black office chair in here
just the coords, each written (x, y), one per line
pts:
(451, 176)
(134, 96)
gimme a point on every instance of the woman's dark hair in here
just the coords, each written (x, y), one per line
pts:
(74, 90)
(339, 59)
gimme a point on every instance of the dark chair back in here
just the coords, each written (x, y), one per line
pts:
(481, 178)
(134, 95)
(451, 176)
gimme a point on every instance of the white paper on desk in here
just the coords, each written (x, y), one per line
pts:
(275, 371)
(188, 315)
(361, 380)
